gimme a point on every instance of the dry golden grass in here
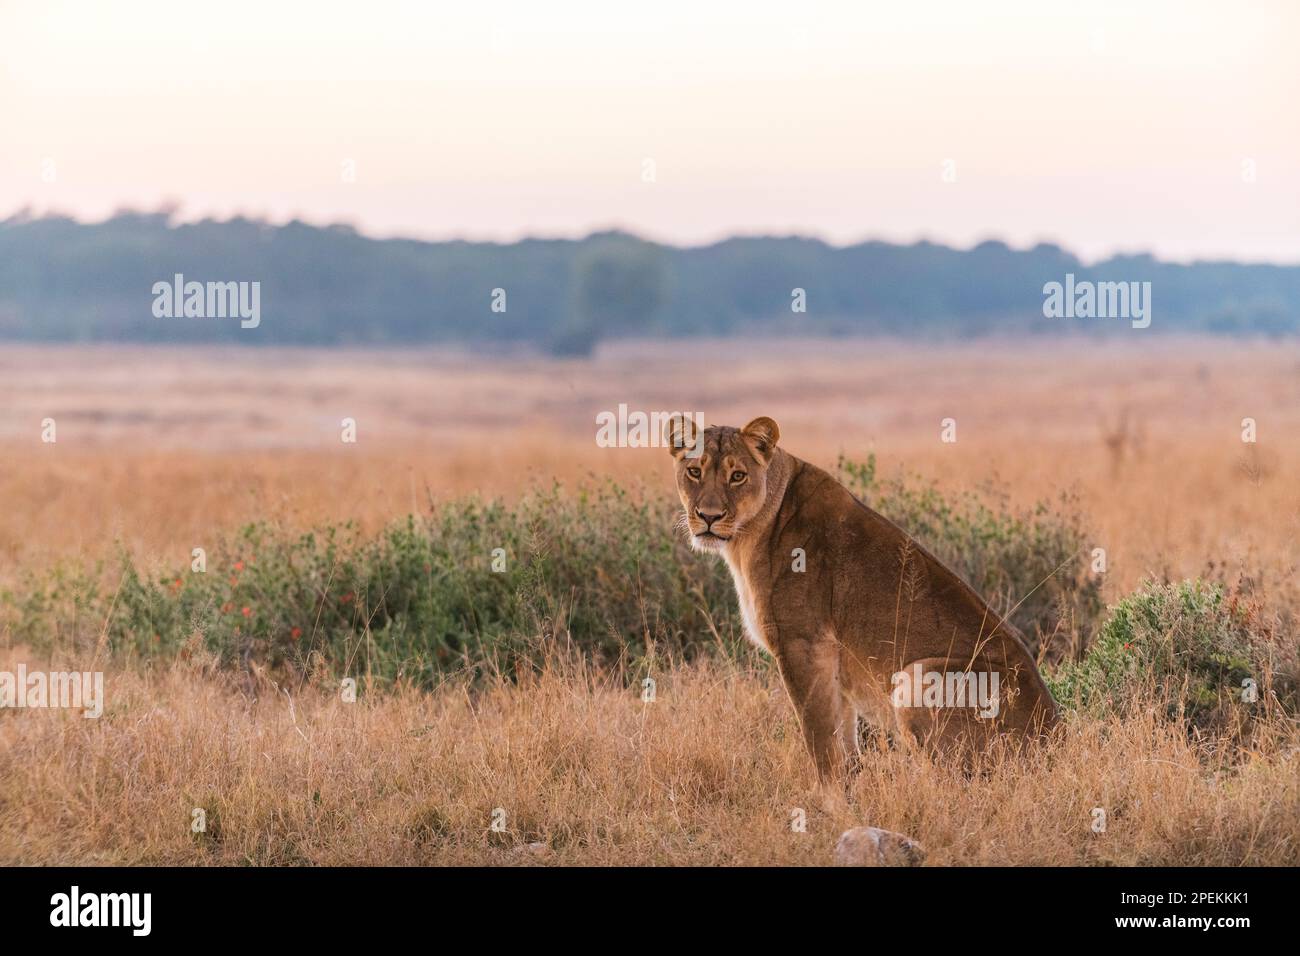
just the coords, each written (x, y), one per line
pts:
(709, 773)
(162, 450)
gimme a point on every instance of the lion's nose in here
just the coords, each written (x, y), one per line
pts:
(707, 518)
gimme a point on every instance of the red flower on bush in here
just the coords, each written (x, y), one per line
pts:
(239, 565)
(246, 611)
(347, 598)
(295, 634)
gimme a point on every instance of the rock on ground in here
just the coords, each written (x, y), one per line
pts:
(872, 846)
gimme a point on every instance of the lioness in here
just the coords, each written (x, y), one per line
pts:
(861, 619)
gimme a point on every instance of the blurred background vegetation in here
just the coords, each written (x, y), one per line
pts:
(62, 280)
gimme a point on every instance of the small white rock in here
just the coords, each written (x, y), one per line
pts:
(872, 846)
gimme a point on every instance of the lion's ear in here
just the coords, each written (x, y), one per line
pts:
(680, 434)
(762, 435)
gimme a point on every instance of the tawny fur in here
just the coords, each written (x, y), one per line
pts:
(869, 604)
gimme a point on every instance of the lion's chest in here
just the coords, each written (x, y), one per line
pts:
(748, 609)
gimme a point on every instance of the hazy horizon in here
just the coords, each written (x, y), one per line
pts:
(1022, 122)
(178, 218)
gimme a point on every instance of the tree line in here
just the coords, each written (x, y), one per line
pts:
(64, 280)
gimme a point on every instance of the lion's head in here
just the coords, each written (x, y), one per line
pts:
(725, 485)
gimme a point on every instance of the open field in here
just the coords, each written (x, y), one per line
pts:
(163, 450)
(158, 448)
(708, 774)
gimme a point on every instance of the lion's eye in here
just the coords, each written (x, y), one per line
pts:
(694, 473)
(737, 477)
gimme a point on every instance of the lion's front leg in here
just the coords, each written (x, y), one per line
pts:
(809, 669)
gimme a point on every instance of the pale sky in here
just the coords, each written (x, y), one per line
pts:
(1172, 127)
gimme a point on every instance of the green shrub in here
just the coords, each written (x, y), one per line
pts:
(598, 567)
(1032, 564)
(416, 600)
(1190, 645)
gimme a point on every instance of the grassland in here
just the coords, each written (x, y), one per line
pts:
(162, 451)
